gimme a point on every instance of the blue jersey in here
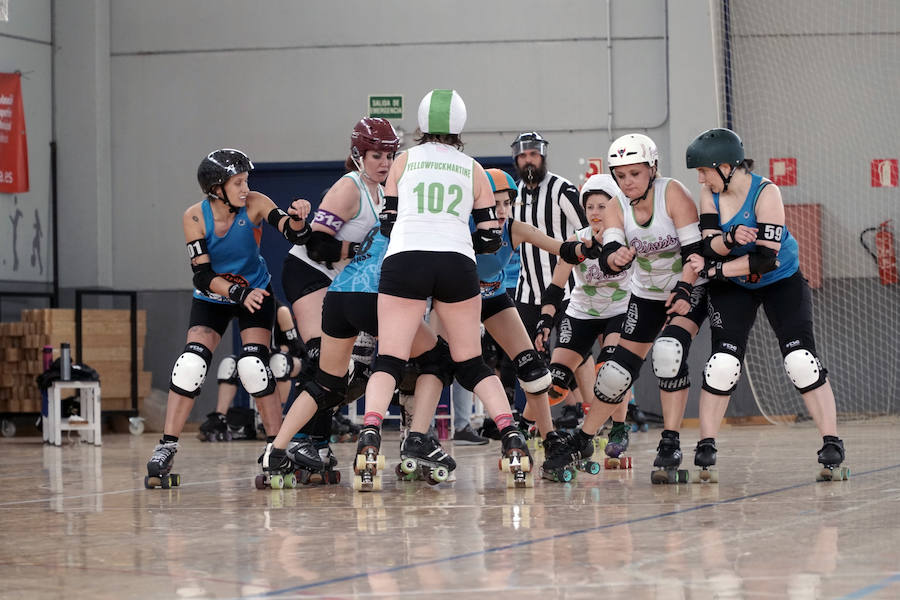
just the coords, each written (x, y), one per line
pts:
(511, 271)
(234, 256)
(364, 271)
(789, 253)
(491, 267)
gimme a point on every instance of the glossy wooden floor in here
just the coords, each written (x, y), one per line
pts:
(77, 523)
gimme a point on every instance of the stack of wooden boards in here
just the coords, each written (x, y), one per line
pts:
(105, 346)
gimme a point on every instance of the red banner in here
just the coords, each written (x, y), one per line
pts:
(13, 146)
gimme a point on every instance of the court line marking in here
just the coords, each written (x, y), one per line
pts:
(875, 587)
(113, 492)
(557, 536)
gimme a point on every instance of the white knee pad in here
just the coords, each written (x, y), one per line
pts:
(281, 365)
(227, 372)
(537, 386)
(532, 372)
(190, 369)
(613, 380)
(721, 373)
(804, 369)
(253, 369)
(667, 357)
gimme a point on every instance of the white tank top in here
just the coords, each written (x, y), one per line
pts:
(435, 197)
(657, 264)
(597, 295)
(353, 230)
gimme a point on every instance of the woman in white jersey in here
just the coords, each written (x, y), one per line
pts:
(430, 192)
(345, 216)
(596, 311)
(658, 230)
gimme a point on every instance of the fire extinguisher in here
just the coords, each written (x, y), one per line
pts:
(884, 254)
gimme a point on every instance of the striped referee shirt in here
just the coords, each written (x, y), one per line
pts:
(554, 208)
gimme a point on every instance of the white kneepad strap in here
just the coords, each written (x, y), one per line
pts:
(613, 380)
(253, 369)
(667, 357)
(190, 369)
(227, 372)
(721, 374)
(281, 365)
(804, 369)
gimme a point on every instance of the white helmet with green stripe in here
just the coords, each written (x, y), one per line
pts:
(442, 112)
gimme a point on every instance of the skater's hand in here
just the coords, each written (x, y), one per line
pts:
(254, 299)
(679, 301)
(542, 332)
(299, 209)
(740, 235)
(622, 257)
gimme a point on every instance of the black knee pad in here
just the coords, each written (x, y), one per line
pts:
(190, 370)
(391, 365)
(532, 371)
(437, 362)
(407, 383)
(469, 373)
(563, 378)
(254, 371)
(329, 391)
(669, 357)
(605, 353)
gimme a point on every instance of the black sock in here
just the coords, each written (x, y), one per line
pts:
(166, 438)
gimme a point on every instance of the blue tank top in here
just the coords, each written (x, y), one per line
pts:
(234, 256)
(789, 253)
(363, 272)
(491, 275)
(511, 271)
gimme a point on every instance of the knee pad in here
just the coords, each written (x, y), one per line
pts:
(437, 362)
(669, 358)
(532, 371)
(391, 365)
(562, 377)
(227, 372)
(469, 373)
(616, 375)
(804, 369)
(722, 371)
(253, 369)
(190, 370)
(605, 353)
(329, 391)
(281, 365)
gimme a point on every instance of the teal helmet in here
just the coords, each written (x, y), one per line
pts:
(713, 148)
(501, 181)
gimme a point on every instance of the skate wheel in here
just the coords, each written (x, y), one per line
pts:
(379, 462)
(659, 476)
(504, 464)
(593, 468)
(526, 463)
(682, 476)
(148, 484)
(399, 472)
(357, 483)
(529, 480)
(164, 482)
(510, 480)
(334, 438)
(845, 472)
(290, 481)
(376, 483)
(135, 426)
(565, 475)
(260, 482)
(276, 482)
(228, 436)
(611, 463)
(174, 479)
(360, 464)
(335, 477)
(627, 462)
(645, 427)
(408, 465)
(440, 474)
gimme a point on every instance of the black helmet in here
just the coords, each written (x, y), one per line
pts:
(530, 140)
(219, 166)
(715, 147)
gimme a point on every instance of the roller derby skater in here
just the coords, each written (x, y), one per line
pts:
(231, 280)
(668, 459)
(752, 259)
(421, 457)
(214, 429)
(705, 458)
(159, 467)
(616, 447)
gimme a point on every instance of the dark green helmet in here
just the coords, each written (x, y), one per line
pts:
(715, 147)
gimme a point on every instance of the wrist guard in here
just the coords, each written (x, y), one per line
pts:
(595, 250)
(553, 295)
(545, 322)
(238, 293)
(487, 241)
(682, 291)
(712, 264)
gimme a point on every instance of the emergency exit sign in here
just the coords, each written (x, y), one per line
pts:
(386, 107)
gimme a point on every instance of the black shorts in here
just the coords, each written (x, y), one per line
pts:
(492, 306)
(217, 316)
(418, 274)
(579, 335)
(299, 278)
(788, 306)
(345, 314)
(644, 318)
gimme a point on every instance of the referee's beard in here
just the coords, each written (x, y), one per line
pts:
(533, 175)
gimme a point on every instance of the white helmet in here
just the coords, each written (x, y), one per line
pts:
(600, 183)
(632, 149)
(442, 112)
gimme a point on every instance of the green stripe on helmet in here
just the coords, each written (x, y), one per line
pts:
(439, 111)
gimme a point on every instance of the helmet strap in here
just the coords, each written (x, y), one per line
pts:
(647, 191)
(224, 198)
(725, 180)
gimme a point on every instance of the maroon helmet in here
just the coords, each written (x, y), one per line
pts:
(373, 134)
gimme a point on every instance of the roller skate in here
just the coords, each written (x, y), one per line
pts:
(585, 446)
(343, 429)
(421, 457)
(159, 467)
(515, 460)
(305, 457)
(705, 457)
(531, 433)
(278, 470)
(560, 452)
(668, 459)
(326, 473)
(638, 418)
(569, 418)
(214, 429)
(616, 447)
(368, 460)
(831, 455)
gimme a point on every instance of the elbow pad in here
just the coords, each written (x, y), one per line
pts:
(608, 250)
(322, 247)
(762, 260)
(203, 276)
(292, 235)
(708, 251)
(487, 241)
(568, 251)
(480, 215)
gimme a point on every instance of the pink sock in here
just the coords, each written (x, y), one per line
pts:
(503, 421)
(373, 418)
